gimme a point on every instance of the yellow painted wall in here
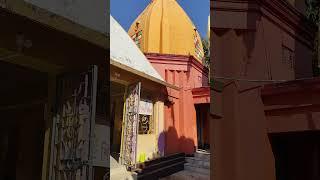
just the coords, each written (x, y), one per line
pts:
(147, 146)
(148, 143)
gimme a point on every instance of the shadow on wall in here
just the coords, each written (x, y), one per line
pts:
(170, 143)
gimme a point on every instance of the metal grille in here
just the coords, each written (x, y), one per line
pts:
(72, 149)
(145, 124)
(131, 123)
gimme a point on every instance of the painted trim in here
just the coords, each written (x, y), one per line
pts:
(123, 125)
(94, 70)
(46, 145)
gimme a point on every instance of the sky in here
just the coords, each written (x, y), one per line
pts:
(126, 11)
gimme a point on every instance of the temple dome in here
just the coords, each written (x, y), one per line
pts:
(164, 27)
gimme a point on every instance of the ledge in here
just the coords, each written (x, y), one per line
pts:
(174, 59)
(291, 87)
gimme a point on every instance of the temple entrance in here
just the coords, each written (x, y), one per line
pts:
(116, 105)
(202, 112)
(297, 155)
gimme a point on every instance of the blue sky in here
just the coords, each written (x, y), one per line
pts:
(126, 11)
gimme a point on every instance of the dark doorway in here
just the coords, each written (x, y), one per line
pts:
(24, 135)
(202, 111)
(23, 94)
(297, 155)
(116, 112)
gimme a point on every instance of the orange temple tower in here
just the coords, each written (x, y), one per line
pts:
(171, 42)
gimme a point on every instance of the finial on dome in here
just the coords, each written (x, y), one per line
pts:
(137, 25)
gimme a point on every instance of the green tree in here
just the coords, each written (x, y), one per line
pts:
(206, 50)
(313, 10)
(313, 15)
(206, 58)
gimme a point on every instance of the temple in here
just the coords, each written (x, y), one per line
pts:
(137, 104)
(171, 42)
(157, 68)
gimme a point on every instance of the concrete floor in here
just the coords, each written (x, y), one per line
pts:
(119, 172)
(186, 175)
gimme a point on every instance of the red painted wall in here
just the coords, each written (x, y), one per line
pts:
(180, 117)
(252, 40)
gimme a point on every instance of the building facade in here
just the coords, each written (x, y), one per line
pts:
(259, 120)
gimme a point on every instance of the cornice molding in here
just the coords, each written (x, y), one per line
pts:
(311, 85)
(201, 91)
(176, 59)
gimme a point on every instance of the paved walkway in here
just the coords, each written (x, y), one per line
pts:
(186, 175)
(119, 172)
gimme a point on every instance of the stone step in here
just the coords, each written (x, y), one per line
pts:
(157, 165)
(161, 167)
(198, 163)
(162, 172)
(195, 169)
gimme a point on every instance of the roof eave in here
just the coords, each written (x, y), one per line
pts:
(144, 75)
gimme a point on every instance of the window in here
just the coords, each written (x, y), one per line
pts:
(145, 124)
(145, 117)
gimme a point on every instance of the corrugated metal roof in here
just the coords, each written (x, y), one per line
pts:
(123, 50)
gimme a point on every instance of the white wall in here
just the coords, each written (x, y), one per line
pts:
(90, 13)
